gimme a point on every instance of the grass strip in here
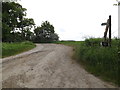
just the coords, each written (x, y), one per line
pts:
(9, 49)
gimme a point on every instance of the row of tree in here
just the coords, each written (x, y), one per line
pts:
(16, 27)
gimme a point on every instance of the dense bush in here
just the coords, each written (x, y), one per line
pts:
(93, 41)
(45, 33)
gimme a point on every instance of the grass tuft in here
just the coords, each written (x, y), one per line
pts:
(9, 49)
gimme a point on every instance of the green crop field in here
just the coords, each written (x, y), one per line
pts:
(9, 49)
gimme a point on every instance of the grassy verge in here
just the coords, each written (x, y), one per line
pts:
(103, 62)
(9, 49)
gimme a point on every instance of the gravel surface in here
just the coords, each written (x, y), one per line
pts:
(47, 66)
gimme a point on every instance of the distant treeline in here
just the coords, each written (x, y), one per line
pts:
(16, 27)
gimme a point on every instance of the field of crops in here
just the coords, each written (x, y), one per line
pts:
(9, 49)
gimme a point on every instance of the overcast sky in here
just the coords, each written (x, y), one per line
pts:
(74, 19)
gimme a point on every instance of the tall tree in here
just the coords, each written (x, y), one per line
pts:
(13, 19)
(45, 33)
(25, 26)
(12, 14)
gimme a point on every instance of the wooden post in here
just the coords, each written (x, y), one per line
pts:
(110, 30)
(108, 26)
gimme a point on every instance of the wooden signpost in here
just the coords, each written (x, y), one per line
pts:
(108, 26)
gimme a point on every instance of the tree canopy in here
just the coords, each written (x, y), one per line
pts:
(45, 33)
(16, 27)
(13, 19)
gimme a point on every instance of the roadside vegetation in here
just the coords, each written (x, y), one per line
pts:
(18, 28)
(101, 61)
(9, 49)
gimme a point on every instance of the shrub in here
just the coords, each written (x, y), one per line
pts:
(93, 42)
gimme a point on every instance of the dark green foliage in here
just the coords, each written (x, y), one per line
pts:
(118, 61)
(25, 26)
(15, 27)
(11, 13)
(45, 33)
(93, 41)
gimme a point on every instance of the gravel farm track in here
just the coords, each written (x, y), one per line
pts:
(47, 66)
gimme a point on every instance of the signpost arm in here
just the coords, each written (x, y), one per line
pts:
(106, 30)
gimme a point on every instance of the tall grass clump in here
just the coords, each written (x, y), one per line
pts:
(99, 60)
(9, 49)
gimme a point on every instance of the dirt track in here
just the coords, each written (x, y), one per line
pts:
(49, 66)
